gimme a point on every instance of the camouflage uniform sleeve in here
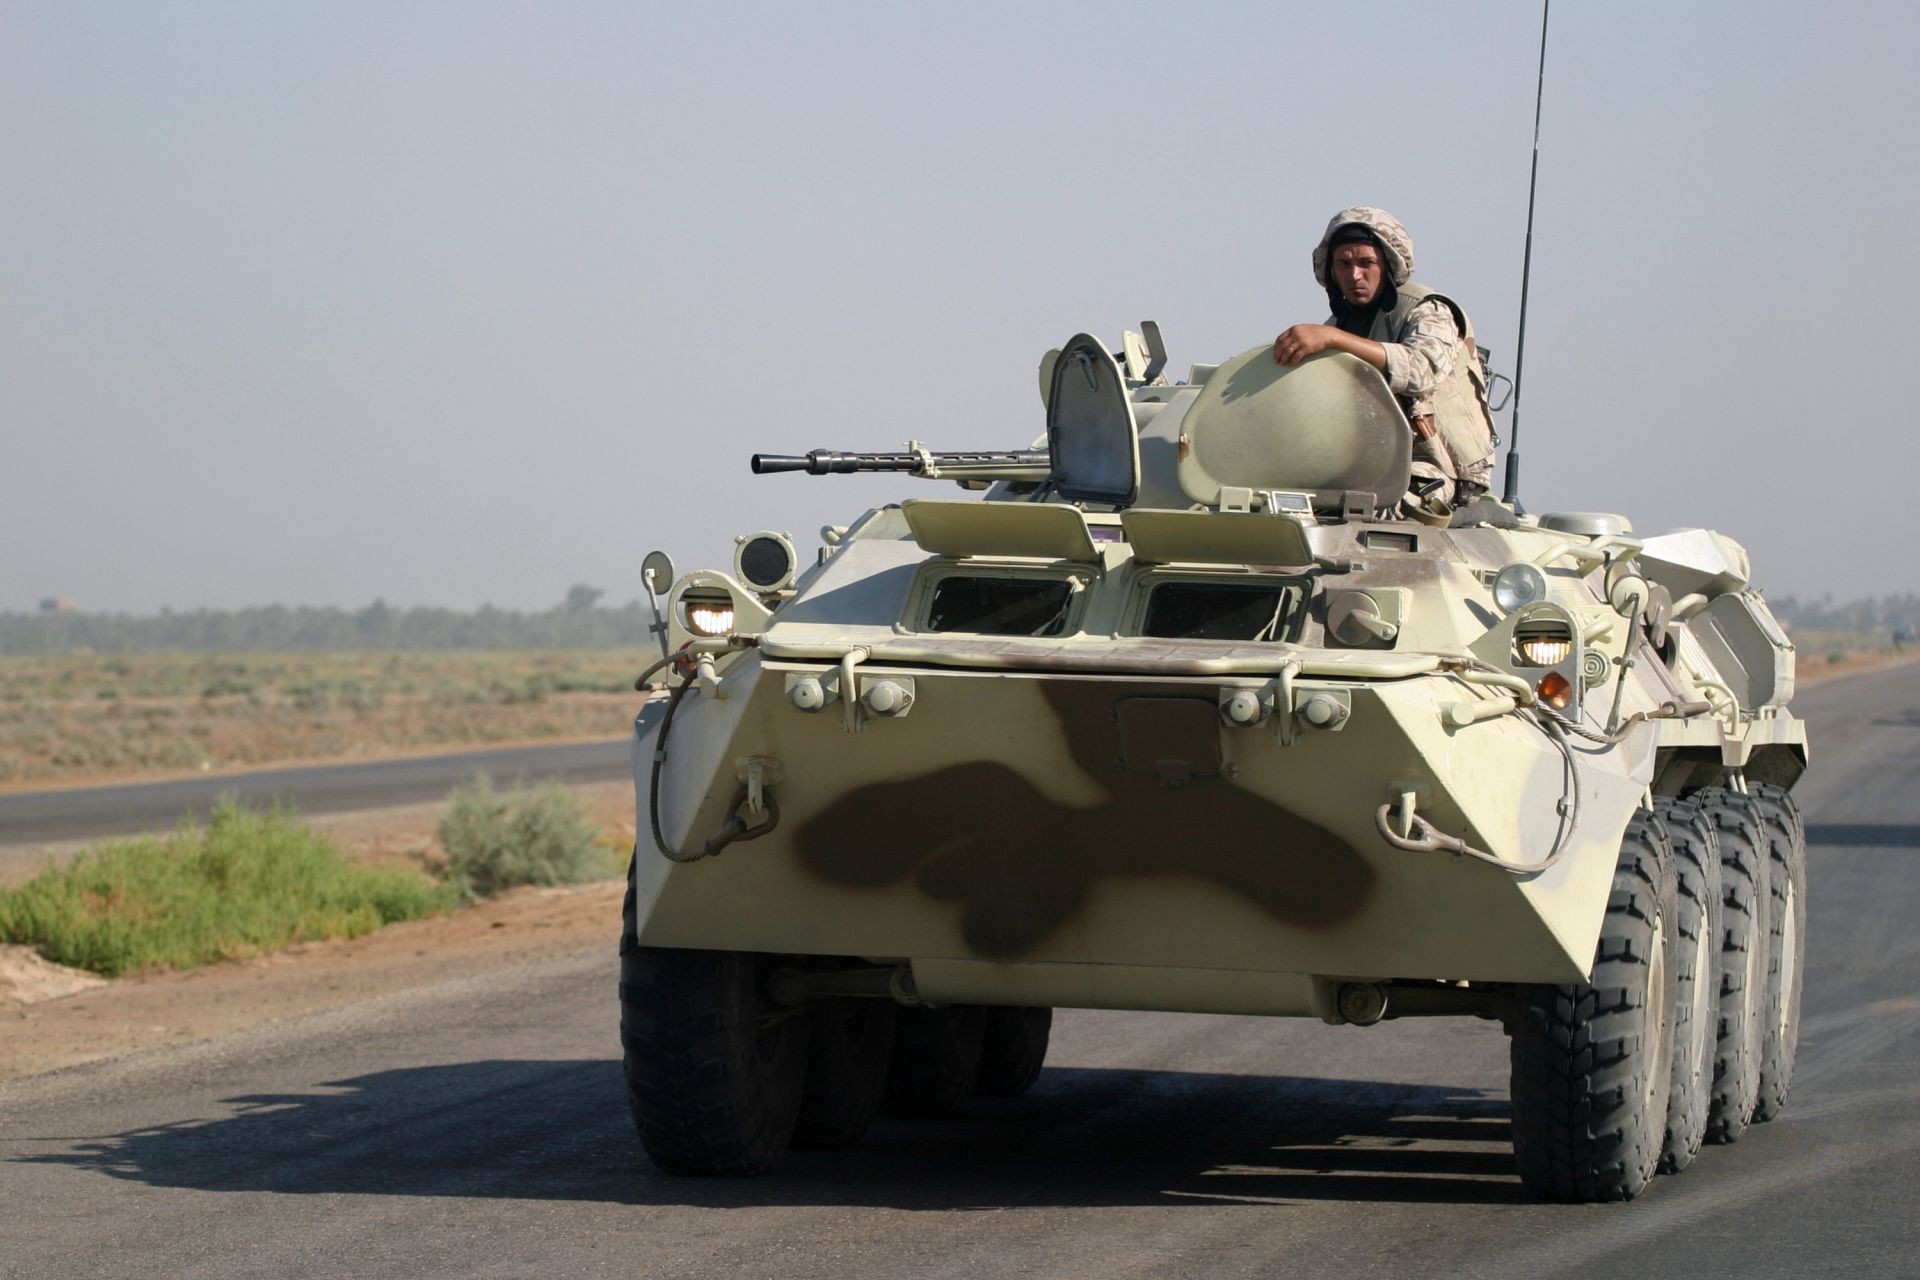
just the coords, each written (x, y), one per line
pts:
(1422, 356)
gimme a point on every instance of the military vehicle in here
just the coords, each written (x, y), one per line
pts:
(1177, 715)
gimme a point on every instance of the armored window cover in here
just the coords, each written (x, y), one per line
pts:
(1041, 531)
(1214, 537)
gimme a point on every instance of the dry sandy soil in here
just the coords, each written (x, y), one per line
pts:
(51, 1018)
(1811, 670)
(70, 720)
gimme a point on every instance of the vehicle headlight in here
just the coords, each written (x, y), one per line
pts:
(1544, 651)
(708, 615)
(1518, 584)
(1542, 642)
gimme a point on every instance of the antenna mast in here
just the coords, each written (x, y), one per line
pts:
(1512, 494)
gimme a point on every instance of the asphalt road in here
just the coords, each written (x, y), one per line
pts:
(35, 817)
(477, 1129)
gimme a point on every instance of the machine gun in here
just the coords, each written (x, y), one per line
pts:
(997, 464)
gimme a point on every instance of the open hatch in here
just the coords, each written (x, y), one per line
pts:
(1329, 426)
(1091, 434)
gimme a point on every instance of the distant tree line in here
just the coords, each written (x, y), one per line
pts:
(1885, 613)
(579, 623)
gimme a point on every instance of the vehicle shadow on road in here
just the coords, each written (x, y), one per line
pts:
(1865, 835)
(1081, 1137)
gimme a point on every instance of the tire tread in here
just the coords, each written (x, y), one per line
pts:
(1580, 1130)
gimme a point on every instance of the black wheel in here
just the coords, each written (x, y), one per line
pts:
(849, 1047)
(713, 1066)
(1743, 960)
(1696, 1028)
(936, 1057)
(1012, 1050)
(1593, 1061)
(1786, 944)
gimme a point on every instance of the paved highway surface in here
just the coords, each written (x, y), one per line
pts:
(32, 817)
(477, 1128)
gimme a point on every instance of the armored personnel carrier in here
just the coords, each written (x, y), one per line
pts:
(1176, 716)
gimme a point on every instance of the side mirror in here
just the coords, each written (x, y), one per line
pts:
(656, 575)
(1627, 590)
(656, 572)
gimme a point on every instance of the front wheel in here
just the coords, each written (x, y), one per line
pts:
(1593, 1061)
(714, 1067)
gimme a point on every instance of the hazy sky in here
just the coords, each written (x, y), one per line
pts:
(452, 303)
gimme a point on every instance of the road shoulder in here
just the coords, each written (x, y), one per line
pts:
(50, 1020)
(154, 1010)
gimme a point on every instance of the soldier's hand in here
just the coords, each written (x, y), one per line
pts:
(1301, 341)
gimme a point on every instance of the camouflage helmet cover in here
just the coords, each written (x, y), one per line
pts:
(1394, 241)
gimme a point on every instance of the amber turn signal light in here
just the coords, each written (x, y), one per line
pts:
(1555, 691)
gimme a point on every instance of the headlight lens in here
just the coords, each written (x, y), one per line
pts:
(1542, 637)
(1544, 651)
(1518, 584)
(709, 617)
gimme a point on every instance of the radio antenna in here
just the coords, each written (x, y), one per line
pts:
(1512, 494)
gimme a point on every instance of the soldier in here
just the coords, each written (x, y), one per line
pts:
(1421, 340)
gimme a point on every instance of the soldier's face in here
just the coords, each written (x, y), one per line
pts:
(1357, 273)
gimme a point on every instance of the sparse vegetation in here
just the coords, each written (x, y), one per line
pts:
(1871, 617)
(80, 715)
(245, 884)
(577, 623)
(1848, 631)
(496, 840)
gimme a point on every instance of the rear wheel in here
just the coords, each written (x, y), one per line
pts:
(1696, 861)
(1786, 934)
(1743, 960)
(936, 1058)
(1012, 1050)
(849, 1047)
(713, 1066)
(1593, 1061)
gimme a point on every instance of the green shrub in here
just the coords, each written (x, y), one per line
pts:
(315, 695)
(496, 840)
(247, 884)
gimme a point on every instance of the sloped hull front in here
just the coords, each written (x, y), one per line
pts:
(1032, 835)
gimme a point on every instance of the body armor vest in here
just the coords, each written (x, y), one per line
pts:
(1460, 414)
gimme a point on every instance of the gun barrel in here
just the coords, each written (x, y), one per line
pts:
(821, 462)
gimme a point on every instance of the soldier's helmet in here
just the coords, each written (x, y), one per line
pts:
(1394, 241)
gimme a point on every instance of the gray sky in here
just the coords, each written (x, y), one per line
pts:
(452, 303)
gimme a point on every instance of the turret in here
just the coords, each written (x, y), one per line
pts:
(1248, 435)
